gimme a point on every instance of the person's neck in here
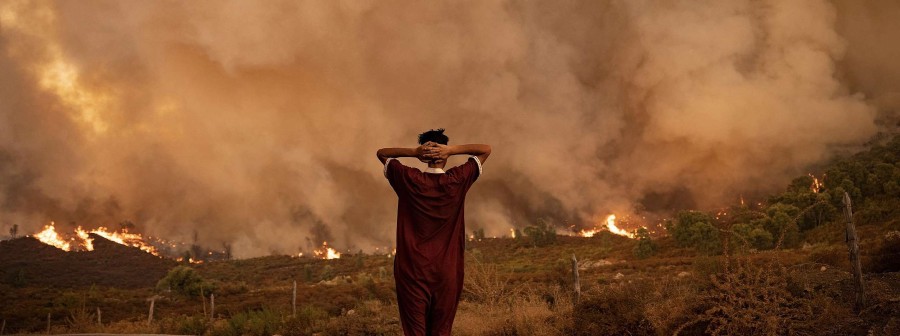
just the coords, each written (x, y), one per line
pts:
(438, 166)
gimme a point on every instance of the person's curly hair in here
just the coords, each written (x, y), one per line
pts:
(434, 136)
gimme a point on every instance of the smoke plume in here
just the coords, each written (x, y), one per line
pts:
(256, 124)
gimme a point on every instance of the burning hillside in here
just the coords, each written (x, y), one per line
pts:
(28, 261)
(80, 240)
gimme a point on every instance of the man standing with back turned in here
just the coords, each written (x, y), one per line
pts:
(431, 231)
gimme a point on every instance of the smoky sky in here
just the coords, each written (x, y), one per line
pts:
(256, 123)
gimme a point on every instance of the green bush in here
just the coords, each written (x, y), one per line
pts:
(186, 281)
(308, 319)
(695, 229)
(540, 234)
(253, 322)
(752, 236)
(645, 246)
(780, 222)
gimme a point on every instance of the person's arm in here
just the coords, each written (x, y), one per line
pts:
(442, 152)
(387, 153)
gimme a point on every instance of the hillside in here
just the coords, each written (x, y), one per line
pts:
(778, 268)
(27, 261)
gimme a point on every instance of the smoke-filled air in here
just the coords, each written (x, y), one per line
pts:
(255, 124)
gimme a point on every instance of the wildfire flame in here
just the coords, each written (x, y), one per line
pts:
(610, 225)
(326, 252)
(83, 242)
(50, 237)
(127, 239)
(816, 185)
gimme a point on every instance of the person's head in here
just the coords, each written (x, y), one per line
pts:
(434, 136)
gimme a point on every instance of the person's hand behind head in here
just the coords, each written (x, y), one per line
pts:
(437, 152)
(423, 151)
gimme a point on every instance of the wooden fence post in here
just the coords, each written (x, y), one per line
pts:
(576, 283)
(150, 316)
(212, 305)
(294, 301)
(853, 247)
(203, 298)
(99, 321)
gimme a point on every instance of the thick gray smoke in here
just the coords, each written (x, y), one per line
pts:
(257, 123)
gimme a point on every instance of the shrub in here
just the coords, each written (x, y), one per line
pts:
(695, 229)
(833, 255)
(753, 235)
(253, 322)
(783, 224)
(886, 257)
(541, 234)
(615, 310)
(309, 319)
(645, 246)
(750, 300)
(367, 318)
(186, 281)
(485, 284)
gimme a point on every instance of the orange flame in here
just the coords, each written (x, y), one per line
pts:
(816, 185)
(610, 225)
(127, 239)
(87, 241)
(326, 252)
(82, 241)
(50, 237)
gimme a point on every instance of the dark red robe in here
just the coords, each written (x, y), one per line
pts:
(428, 268)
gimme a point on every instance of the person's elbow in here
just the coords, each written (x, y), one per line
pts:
(382, 156)
(486, 151)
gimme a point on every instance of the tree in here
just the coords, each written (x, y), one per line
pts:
(541, 234)
(695, 229)
(753, 235)
(478, 234)
(781, 224)
(186, 281)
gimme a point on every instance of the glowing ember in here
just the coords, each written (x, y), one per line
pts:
(190, 260)
(50, 237)
(326, 252)
(512, 232)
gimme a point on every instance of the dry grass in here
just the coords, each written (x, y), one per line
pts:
(527, 314)
(751, 300)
